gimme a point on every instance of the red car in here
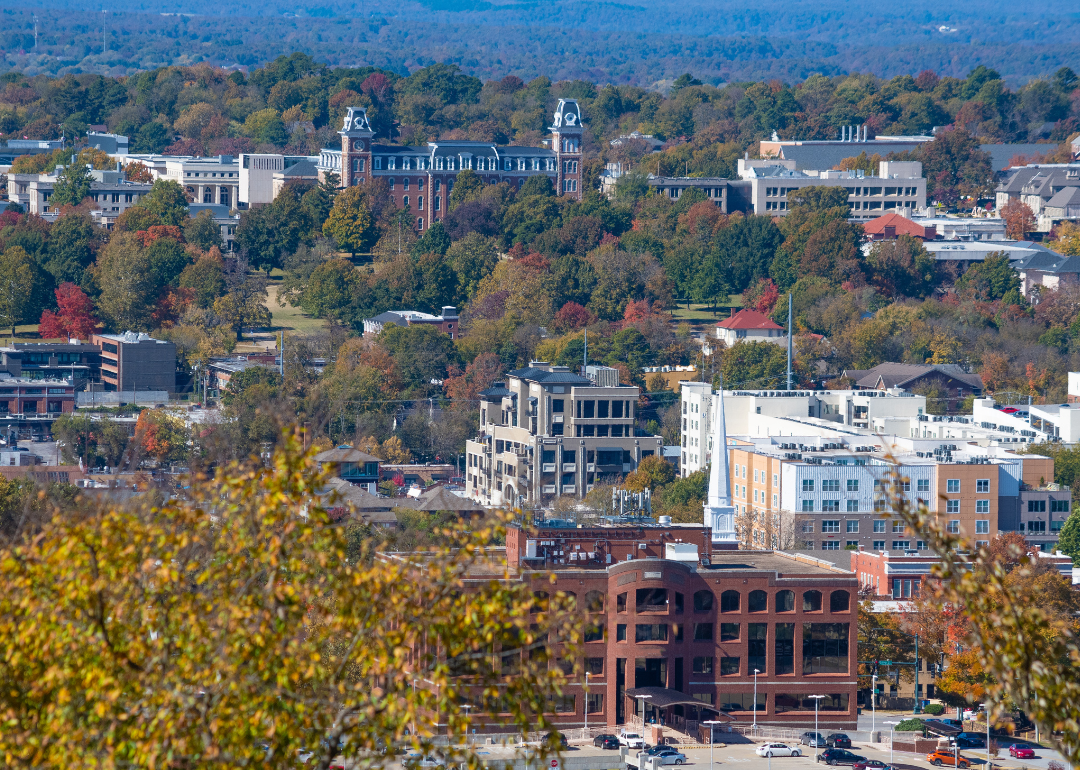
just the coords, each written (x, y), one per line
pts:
(1021, 752)
(870, 764)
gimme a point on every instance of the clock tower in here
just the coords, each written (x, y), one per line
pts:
(566, 133)
(356, 136)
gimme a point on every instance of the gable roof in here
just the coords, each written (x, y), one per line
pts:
(441, 499)
(903, 225)
(1066, 196)
(301, 169)
(543, 375)
(749, 319)
(345, 454)
(895, 375)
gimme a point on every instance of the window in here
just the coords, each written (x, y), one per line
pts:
(784, 703)
(852, 485)
(852, 545)
(784, 648)
(952, 506)
(594, 601)
(391, 180)
(404, 201)
(595, 703)
(650, 632)
(852, 525)
(830, 485)
(620, 600)
(879, 526)
(982, 486)
(757, 645)
(852, 506)
(1036, 506)
(729, 601)
(703, 665)
(830, 545)
(1059, 506)
(1036, 526)
(807, 527)
(811, 601)
(594, 632)
(922, 485)
(703, 601)
(839, 601)
(729, 666)
(703, 632)
(785, 601)
(830, 506)
(982, 506)
(954, 527)
(729, 632)
(808, 485)
(879, 545)
(594, 666)
(620, 632)
(982, 527)
(830, 525)
(808, 505)
(651, 600)
(825, 648)
(438, 202)
(758, 601)
(952, 485)
(901, 545)
(776, 479)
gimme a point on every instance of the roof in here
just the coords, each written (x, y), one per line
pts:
(662, 697)
(439, 498)
(390, 317)
(1016, 251)
(903, 225)
(363, 504)
(1048, 262)
(1067, 196)
(894, 375)
(1001, 154)
(497, 390)
(749, 319)
(825, 156)
(345, 454)
(543, 375)
(301, 169)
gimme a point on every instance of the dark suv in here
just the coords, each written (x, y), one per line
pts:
(839, 757)
(838, 741)
(968, 741)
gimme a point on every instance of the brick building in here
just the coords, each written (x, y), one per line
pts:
(687, 628)
(446, 322)
(421, 178)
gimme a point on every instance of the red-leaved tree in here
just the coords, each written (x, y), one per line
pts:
(74, 316)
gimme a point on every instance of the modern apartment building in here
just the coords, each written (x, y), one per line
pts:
(547, 432)
(680, 635)
(136, 361)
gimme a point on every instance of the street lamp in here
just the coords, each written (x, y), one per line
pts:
(873, 705)
(467, 706)
(587, 704)
(712, 723)
(986, 710)
(817, 735)
(753, 730)
(892, 735)
(643, 698)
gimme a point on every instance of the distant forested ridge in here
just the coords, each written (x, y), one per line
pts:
(638, 43)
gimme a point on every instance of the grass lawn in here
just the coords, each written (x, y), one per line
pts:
(699, 313)
(290, 318)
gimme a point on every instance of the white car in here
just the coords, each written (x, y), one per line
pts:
(777, 750)
(631, 740)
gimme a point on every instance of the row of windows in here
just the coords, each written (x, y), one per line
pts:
(1039, 506)
(459, 164)
(657, 600)
(405, 183)
(214, 174)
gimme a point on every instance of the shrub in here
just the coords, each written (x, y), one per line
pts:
(910, 726)
(934, 709)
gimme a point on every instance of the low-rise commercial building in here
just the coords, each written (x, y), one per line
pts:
(136, 361)
(446, 322)
(76, 362)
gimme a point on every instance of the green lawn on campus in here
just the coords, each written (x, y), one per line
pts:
(705, 312)
(289, 318)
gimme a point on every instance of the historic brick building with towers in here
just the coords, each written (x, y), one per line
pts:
(421, 178)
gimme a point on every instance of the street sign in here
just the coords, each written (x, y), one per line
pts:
(555, 764)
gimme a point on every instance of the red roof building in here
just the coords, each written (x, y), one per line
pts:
(750, 326)
(892, 225)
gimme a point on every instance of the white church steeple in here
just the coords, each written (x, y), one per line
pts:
(719, 512)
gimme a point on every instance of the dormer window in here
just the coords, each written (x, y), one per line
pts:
(391, 163)
(378, 164)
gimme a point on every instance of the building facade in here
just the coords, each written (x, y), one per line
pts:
(446, 322)
(109, 190)
(207, 180)
(421, 178)
(136, 361)
(546, 432)
(750, 326)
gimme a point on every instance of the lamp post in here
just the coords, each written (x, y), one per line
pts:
(643, 698)
(817, 735)
(467, 706)
(986, 710)
(892, 734)
(753, 730)
(414, 706)
(586, 705)
(712, 723)
(873, 705)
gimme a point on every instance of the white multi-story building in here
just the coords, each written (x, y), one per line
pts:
(109, 190)
(206, 180)
(258, 172)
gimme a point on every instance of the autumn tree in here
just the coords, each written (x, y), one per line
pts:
(74, 317)
(127, 286)
(351, 223)
(652, 472)
(1019, 219)
(161, 620)
(23, 288)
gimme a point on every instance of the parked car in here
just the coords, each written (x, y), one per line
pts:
(871, 764)
(777, 750)
(812, 739)
(839, 757)
(1021, 752)
(417, 761)
(606, 741)
(944, 757)
(555, 740)
(968, 741)
(659, 749)
(631, 740)
(838, 741)
(672, 757)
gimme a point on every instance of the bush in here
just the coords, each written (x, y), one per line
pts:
(910, 726)
(934, 710)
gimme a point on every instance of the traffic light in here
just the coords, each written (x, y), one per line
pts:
(874, 672)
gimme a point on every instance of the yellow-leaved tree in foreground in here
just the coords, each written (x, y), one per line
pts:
(230, 629)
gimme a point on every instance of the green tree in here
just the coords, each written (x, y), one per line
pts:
(1069, 537)
(203, 231)
(539, 184)
(72, 185)
(330, 290)
(127, 285)
(990, 279)
(467, 187)
(167, 258)
(754, 365)
(435, 240)
(206, 278)
(350, 222)
(472, 258)
(265, 126)
(167, 201)
(422, 353)
(631, 187)
(71, 248)
(24, 288)
(744, 250)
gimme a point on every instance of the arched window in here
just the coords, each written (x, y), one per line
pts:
(703, 601)
(811, 601)
(420, 184)
(405, 183)
(839, 601)
(729, 601)
(758, 601)
(391, 183)
(540, 602)
(594, 601)
(785, 601)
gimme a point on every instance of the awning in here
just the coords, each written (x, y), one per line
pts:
(662, 697)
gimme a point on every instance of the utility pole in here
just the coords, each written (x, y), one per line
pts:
(789, 341)
(103, 44)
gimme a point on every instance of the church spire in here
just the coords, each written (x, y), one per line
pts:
(719, 512)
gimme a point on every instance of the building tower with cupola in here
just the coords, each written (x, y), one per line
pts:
(356, 135)
(566, 134)
(719, 512)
